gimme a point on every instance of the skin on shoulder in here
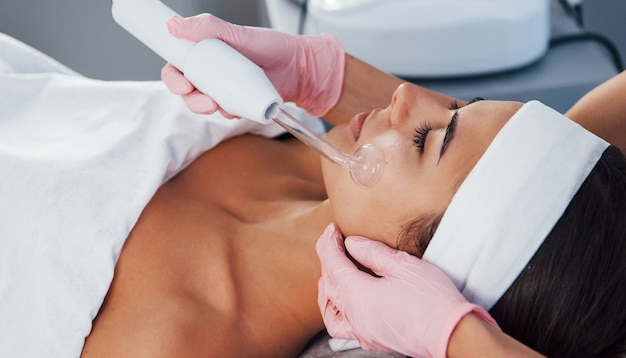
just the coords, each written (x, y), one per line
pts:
(603, 111)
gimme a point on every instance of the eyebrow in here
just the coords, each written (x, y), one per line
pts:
(450, 131)
(451, 128)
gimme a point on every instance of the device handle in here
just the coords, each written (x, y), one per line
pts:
(237, 84)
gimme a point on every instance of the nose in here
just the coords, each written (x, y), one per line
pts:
(407, 101)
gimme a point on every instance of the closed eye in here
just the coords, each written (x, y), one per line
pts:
(421, 132)
(419, 139)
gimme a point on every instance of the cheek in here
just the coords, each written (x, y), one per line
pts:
(378, 213)
(375, 219)
(404, 192)
(361, 218)
(353, 206)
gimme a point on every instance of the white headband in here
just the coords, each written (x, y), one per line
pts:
(511, 200)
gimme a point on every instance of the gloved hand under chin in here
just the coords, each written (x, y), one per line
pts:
(307, 70)
(411, 308)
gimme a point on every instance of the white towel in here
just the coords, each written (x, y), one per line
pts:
(340, 344)
(79, 160)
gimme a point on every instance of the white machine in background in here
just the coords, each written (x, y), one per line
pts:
(440, 38)
(428, 38)
(496, 49)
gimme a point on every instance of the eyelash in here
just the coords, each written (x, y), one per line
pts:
(421, 132)
(419, 139)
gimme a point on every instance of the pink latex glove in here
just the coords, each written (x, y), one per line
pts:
(412, 308)
(307, 70)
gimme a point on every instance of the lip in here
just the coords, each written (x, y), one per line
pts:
(356, 124)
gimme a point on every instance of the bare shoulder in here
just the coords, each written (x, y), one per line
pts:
(212, 267)
(603, 111)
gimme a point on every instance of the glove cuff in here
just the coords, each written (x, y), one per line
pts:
(441, 349)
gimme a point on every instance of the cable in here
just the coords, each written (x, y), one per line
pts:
(303, 14)
(588, 36)
(572, 10)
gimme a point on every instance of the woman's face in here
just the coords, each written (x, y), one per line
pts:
(429, 149)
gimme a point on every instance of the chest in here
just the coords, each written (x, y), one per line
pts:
(241, 203)
(248, 171)
(227, 245)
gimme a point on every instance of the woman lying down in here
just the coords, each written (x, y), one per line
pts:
(118, 212)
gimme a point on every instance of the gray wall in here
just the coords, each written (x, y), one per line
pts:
(82, 35)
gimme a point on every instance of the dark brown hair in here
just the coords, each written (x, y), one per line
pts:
(570, 300)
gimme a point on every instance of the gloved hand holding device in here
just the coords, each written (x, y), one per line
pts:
(411, 307)
(307, 70)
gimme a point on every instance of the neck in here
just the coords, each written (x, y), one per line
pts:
(307, 218)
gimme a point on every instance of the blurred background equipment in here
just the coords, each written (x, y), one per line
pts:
(584, 44)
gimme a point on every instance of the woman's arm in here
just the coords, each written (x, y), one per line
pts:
(603, 111)
(365, 88)
(473, 337)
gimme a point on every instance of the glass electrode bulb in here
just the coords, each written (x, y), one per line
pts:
(365, 165)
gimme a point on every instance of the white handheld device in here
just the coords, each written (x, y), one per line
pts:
(237, 84)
